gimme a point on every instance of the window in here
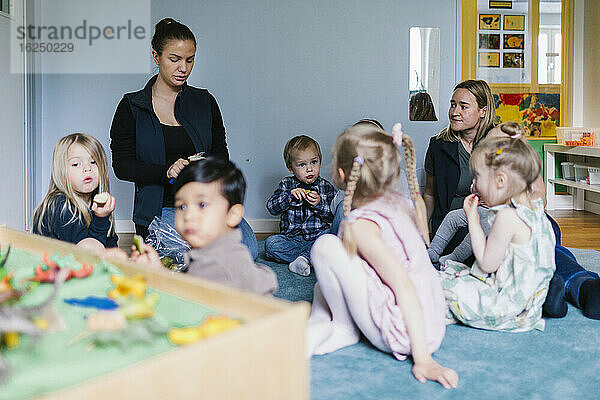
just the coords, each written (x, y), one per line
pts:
(5, 6)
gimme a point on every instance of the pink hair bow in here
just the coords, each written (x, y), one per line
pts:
(397, 133)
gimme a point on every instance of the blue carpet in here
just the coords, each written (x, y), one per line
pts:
(563, 362)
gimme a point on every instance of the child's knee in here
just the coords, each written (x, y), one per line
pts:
(271, 244)
(325, 246)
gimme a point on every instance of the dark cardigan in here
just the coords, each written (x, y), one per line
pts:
(446, 168)
(138, 147)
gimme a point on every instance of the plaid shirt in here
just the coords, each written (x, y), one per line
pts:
(297, 216)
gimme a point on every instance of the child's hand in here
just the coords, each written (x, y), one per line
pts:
(298, 194)
(433, 371)
(313, 198)
(106, 209)
(470, 207)
(175, 169)
(148, 257)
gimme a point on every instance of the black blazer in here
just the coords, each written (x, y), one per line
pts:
(443, 157)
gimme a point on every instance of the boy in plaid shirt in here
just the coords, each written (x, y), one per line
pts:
(302, 201)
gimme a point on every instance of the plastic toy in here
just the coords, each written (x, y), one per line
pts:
(135, 308)
(101, 303)
(137, 241)
(7, 292)
(49, 274)
(212, 325)
(18, 319)
(126, 286)
(166, 261)
(5, 257)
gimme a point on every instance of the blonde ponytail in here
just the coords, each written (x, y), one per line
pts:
(413, 183)
(348, 240)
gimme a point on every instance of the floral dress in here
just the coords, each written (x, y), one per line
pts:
(511, 298)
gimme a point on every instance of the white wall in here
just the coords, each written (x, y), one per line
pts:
(277, 69)
(591, 60)
(12, 134)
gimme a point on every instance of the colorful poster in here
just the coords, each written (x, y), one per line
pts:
(489, 59)
(538, 112)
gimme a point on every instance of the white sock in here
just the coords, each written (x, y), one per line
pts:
(340, 337)
(300, 266)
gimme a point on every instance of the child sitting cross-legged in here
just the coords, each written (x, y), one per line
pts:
(208, 209)
(302, 202)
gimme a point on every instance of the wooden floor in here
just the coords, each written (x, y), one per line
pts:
(579, 229)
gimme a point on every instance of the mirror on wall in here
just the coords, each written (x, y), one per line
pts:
(424, 75)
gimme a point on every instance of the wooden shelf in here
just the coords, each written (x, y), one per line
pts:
(573, 150)
(577, 199)
(577, 185)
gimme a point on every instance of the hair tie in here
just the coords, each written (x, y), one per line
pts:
(397, 134)
(516, 136)
(500, 148)
(359, 160)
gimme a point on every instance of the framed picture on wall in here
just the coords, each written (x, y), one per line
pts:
(489, 41)
(489, 21)
(489, 59)
(514, 41)
(513, 60)
(514, 22)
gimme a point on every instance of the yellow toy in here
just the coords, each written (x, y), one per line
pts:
(212, 325)
(126, 286)
(134, 308)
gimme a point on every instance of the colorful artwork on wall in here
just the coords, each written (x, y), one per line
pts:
(513, 60)
(489, 41)
(538, 112)
(489, 59)
(490, 21)
(514, 41)
(514, 22)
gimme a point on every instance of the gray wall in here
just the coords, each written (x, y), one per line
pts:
(277, 69)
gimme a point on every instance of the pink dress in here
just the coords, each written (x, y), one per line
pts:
(394, 214)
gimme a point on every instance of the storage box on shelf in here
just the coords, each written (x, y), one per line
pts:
(572, 136)
(579, 186)
(262, 359)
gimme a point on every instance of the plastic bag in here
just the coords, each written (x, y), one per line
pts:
(167, 242)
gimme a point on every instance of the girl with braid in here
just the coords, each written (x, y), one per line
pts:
(376, 277)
